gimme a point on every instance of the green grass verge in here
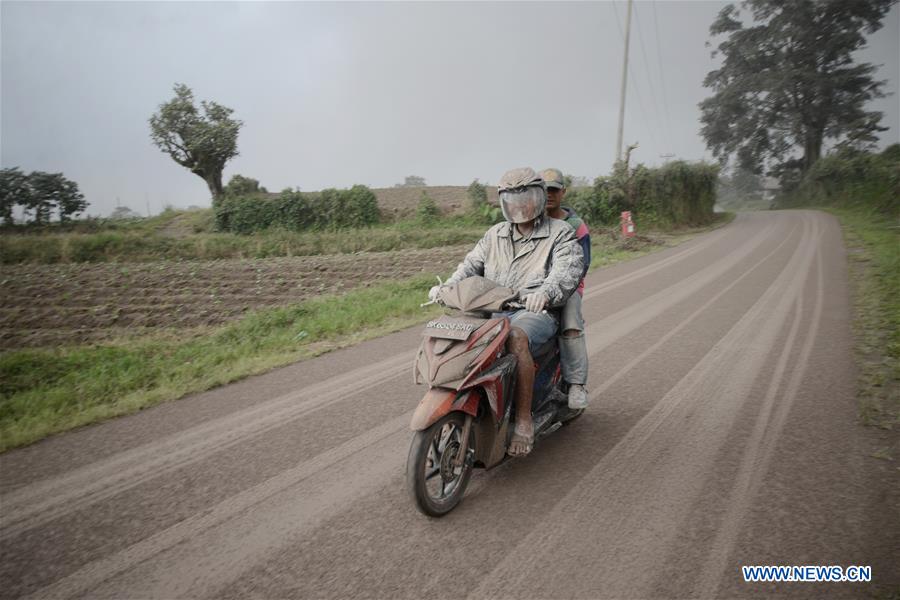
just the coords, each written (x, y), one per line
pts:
(873, 241)
(46, 391)
(180, 237)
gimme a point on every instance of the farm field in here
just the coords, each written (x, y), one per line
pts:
(85, 341)
(62, 304)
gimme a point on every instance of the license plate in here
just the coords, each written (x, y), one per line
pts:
(448, 330)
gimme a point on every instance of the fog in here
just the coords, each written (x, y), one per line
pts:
(333, 94)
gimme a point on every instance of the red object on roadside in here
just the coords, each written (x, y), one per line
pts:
(627, 224)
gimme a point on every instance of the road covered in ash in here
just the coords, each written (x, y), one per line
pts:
(722, 432)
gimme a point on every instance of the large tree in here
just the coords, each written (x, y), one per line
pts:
(202, 142)
(14, 189)
(40, 193)
(788, 81)
(53, 190)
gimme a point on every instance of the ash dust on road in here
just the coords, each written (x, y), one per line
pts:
(722, 432)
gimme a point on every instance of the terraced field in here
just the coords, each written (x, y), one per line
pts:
(46, 305)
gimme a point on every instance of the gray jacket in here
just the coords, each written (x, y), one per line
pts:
(550, 263)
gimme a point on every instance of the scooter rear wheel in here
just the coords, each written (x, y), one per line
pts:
(434, 484)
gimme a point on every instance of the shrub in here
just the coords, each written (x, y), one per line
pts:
(477, 195)
(851, 177)
(239, 185)
(427, 210)
(297, 211)
(677, 193)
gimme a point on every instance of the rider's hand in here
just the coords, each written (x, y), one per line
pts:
(434, 293)
(536, 302)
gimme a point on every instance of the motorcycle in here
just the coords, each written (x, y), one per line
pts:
(464, 421)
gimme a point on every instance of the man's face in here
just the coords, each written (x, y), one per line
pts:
(555, 198)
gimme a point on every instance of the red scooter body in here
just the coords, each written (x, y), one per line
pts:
(463, 421)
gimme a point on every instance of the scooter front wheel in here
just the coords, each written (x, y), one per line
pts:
(435, 484)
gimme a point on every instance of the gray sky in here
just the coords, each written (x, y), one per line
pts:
(333, 94)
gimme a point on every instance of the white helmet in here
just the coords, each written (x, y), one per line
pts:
(523, 195)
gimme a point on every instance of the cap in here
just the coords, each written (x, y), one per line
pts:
(553, 178)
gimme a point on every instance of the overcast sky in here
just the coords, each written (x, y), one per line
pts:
(333, 94)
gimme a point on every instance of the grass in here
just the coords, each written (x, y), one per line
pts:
(874, 244)
(188, 235)
(46, 391)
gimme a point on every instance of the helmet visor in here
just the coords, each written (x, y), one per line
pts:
(523, 204)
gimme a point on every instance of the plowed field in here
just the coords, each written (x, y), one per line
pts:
(46, 305)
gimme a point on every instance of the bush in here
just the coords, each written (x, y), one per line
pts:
(477, 194)
(297, 211)
(678, 193)
(239, 185)
(427, 210)
(851, 178)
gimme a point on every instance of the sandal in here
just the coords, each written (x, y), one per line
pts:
(521, 438)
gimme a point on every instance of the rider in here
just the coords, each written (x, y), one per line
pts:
(538, 257)
(572, 349)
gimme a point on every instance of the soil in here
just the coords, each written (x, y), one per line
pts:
(48, 305)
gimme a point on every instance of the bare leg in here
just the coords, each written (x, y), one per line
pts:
(523, 433)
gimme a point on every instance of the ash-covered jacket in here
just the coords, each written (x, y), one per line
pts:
(551, 262)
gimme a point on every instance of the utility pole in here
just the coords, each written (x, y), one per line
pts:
(624, 84)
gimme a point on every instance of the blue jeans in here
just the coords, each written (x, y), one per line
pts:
(573, 350)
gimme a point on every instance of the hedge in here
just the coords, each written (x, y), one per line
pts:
(328, 209)
(678, 193)
(851, 178)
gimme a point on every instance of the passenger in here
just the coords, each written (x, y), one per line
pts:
(572, 348)
(541, 259)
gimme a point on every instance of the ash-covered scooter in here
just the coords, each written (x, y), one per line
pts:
(464, 419)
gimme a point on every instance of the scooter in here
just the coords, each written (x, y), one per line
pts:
(464, 421)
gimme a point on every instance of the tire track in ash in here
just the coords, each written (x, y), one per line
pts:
(672, 447)
(39, 503)
(230, 510)
(42, 502)
(763, 440)
(247, 532)
(607, 331)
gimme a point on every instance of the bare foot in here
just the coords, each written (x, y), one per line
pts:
(522, 440)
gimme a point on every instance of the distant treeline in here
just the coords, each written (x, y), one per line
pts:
(850, 178)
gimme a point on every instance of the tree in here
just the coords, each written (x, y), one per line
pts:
(412, 181)
(788, 82)
(202, 143)
(41, 193)
(477, 194)
(69, 200)
(738, 188)
(239, 185)
(53, 190)
(14, 189)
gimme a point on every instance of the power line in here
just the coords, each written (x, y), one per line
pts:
(662, 74)
(657, 113)
(633, 82)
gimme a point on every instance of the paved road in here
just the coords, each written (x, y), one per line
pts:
(722, 432)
